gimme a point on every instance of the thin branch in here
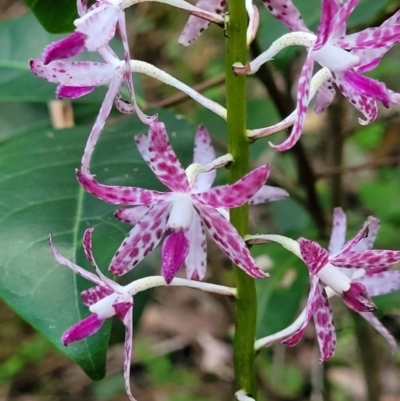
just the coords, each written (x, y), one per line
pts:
(369, 356)
(392, 160)
(335, 140)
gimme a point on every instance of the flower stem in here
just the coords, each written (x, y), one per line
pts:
(238, 146)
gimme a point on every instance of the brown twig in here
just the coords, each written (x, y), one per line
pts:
(364, 166)
(307, 178)
(335, 141)
(369, 356)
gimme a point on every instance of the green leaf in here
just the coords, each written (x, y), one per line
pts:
(40, 195)
(55, 16)
(20, 40)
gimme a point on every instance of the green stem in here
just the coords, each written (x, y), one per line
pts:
(238, 146)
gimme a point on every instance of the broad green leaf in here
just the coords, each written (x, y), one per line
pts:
(55, 16)
(20, 40)
(39, 195)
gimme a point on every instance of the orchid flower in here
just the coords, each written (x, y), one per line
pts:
(176, 210)
(96, 26)
(352, 270)
(94, 30)
(203, 156)
(196, 26)
(347, 58)
(78, 78)
(107, 299)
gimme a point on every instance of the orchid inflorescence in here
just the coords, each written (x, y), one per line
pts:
(179, 218)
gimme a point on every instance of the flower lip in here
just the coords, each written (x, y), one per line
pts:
(358, 299)
(82, 329)
(174, 251)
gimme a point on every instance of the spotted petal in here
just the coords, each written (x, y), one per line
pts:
(338, 235)
(73, 73)
(75, 268)
(364, 104)
(95, 294)
(87, 247)
(368, 87)
(141, 240)
(119, 195)
(236, 194)
(368, 242)
(377, 258)
(196, 260)
(343, 14)
(383, 37)
(131, 215)
(325, 96)
(381, 283)
(173, 253)
(311, 306)
(98, 25)
(163, 160)
(203, 153)
(128, 321)
(329, 9)
(362, 234)
(323, 319)
(142, 144)
(302, 104)
(229, 240)
(286, 12)
(314, 256)
(268, 193)
(195, 26)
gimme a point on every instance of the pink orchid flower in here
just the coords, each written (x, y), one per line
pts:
(352, 270)
(204, 153)
(347, 57)
(96, 26)
(177, 210)
(107, 299)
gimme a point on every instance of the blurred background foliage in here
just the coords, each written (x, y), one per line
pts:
(182, 338)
